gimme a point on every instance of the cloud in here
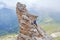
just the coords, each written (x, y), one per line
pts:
(51, 4)
(2, 5)
(9, 3)
(35, 4)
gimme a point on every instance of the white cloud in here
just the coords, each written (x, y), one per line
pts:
(36, 4)
(1, 6)
(51, 4)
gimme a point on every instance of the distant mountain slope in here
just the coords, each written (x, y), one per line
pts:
(8, 21)
(47, 15)
(55, 16)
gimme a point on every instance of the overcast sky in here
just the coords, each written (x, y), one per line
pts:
(37, 4)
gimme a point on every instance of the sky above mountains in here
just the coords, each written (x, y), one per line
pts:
(54, 5)
(42, 8)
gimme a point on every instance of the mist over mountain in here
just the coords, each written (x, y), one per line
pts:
(46, 15)
(8, 21)
(55, 16)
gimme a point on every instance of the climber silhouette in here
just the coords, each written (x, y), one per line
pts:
(34, 22)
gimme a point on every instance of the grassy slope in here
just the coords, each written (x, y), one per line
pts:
(9, 37)
(49, 28)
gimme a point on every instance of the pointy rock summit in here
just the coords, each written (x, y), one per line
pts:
(29, 30)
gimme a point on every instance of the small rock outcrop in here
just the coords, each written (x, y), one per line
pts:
(29, 30)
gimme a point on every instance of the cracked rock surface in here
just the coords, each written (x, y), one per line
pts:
(29, 30)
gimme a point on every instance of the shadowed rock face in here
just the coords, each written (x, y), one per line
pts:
(29, 31)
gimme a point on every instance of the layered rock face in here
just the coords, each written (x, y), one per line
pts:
(29, 30)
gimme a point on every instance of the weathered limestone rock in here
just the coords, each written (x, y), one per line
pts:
(29, 30)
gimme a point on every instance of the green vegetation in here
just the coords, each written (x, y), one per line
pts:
(49, 28)
(9, 37)
(58, 38)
